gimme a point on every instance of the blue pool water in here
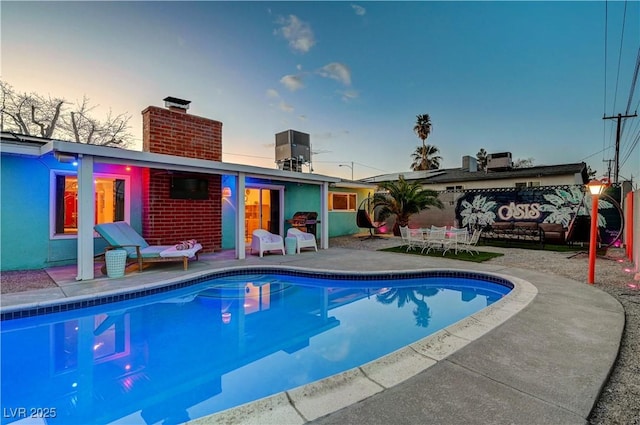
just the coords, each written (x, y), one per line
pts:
(191, 352)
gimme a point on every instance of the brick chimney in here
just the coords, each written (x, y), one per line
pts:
(172, 131)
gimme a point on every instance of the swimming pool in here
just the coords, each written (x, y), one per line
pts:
(177, 355)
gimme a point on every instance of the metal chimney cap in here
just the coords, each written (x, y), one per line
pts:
(176, 102)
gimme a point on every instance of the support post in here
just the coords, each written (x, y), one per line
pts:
(86, 214)
(593, 239)
(240, 217)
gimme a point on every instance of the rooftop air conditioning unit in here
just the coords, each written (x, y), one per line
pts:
(499, 161)
(293, 150)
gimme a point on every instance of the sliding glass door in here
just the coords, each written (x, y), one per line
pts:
(262, 210)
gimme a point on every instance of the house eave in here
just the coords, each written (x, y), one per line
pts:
(112, 155)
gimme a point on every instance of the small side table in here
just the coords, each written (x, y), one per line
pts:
(290, 245)
(116, 259)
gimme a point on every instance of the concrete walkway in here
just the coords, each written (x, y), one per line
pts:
(540, 356)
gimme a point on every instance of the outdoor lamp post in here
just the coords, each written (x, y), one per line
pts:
(595, 188)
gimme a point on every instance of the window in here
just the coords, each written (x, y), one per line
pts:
(342, 201)
(522, 185)
(110, 201)
(453, 188)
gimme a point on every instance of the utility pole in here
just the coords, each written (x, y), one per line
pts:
(617, 157)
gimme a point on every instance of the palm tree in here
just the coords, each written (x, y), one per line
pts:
(422, 127)
(426, 158)
(403, 199)
(481, 156)
(423, 130)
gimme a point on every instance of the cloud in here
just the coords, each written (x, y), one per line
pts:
(297, 33)
(336, 71)
(292, 82)
(347, 95)
(273, 93)
(358, 9)
(285, 106)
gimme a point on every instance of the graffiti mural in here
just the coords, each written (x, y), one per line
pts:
(548, 204)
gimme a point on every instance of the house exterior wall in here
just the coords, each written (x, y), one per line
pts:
(342, 223)
(25, 223)
(25, 212)
(166, 221)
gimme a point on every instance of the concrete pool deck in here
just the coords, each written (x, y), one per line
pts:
(541, 355)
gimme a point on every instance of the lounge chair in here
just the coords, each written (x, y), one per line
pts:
(303, 239)
(120, 235)
(263, 241)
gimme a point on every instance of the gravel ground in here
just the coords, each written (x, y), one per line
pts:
(24, 280)
(619, 402)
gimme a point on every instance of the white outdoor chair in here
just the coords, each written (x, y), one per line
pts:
(303, 239)
(263, 241)
(456, 237)
(435, 239)
(412, 238)
(470, 244)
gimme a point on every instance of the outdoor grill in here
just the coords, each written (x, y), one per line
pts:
(305, 221)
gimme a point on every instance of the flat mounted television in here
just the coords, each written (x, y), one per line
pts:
(189, 188)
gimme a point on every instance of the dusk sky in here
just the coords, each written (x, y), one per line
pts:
(525, 77)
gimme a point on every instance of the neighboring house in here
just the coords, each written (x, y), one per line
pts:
(176, 188)
(452, 183)
(503, 176)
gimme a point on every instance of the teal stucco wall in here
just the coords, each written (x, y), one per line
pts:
(343, 223)
(25, 238)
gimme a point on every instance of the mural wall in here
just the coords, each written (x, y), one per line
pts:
(566, 205)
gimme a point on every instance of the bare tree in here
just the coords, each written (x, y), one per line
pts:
(113, 131)
(523, 163)
(34, 115)
(29, 113)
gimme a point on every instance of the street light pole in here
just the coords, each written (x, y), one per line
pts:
(595, 188)
(350, 166)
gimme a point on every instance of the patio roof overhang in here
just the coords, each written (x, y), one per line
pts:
(111, 155)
